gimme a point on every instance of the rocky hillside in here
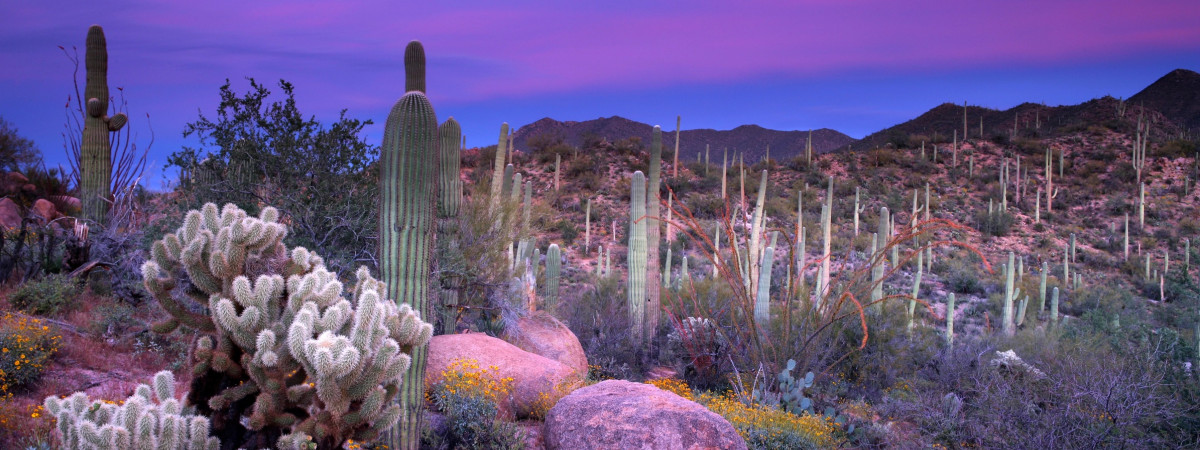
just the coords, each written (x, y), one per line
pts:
(1176, 95)
(750, 139)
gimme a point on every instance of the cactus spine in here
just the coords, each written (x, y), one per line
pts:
(653, 233)
(636, 287)
(408, 163)
(95, 151)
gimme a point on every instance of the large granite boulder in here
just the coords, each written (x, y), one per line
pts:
(544, 335)
(626, 415)
(532, 374)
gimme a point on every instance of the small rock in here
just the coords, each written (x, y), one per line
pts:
(44, 209)
(621, 414)
(1009, 360)
(10, 213)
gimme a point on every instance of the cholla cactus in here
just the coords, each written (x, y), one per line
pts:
(314, 362)
(151, 418)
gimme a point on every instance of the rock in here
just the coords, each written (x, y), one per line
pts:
(532, 374)
(542, 334)
(623, 414)
(1009, 361)
(44, 209)
(10, 213)
(71, 204)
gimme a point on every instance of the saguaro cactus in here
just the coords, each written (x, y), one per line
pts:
(653, 232)
(450, 257)
(636, 287)
(762, 299)
(1010, 295)
(95, 151)
(950, 319)
(498, 175)
(553, 269)
(407, 188)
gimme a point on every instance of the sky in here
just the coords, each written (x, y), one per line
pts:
(856, 66)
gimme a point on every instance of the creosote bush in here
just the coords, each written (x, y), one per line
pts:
(52, 294)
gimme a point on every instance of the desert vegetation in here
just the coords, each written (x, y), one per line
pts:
(1016, 284)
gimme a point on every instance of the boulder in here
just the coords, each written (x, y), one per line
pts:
(10, 213)
(532, 374)
(44, 209)
(542, 334)
(623, 414)
(71, 204)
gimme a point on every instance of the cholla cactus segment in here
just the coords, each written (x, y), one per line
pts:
(280, 331)
(151, 418)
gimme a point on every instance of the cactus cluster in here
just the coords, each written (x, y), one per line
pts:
(790, 395)
(151, 418)
(283, 349)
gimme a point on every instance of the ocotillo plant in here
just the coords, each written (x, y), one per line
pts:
(653, 233)
(636, 287)
(449, 256)
(95, 151)
(407, 188)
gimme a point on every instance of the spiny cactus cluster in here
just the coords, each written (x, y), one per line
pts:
(282, 348)
(151, 418)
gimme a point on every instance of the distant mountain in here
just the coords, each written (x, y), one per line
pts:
(750, 139)
(1176, 95)
(1173, 101)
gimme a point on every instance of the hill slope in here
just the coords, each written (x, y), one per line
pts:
(751, 139)
(1176, 95)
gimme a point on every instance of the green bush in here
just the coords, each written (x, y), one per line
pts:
(997, 223)
(51, 294)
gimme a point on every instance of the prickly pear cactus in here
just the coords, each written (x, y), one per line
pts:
(281, 349)
(790, 394)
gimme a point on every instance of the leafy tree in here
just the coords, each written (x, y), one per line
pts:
(16, 152)
(260, 151)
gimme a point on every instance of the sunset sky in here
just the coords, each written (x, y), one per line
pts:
(855, 66)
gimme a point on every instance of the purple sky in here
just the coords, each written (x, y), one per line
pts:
(854, 66)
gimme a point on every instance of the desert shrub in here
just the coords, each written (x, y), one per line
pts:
(468, 395)
(51, 294)
(963, 277)
(765, 427)
(600, 320)
(996, 223)
(26, 344)
(1173, 149)
(674, 386)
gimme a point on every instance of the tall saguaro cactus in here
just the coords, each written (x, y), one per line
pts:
(95, 151)
(498, 175)
(553, 269)
(653, 233)
(450, 256)
(636, 287)
(407, 188)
